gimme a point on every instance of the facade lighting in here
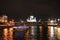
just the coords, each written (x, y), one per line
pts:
(31, 19)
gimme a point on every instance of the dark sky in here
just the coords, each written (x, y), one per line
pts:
(24, 8)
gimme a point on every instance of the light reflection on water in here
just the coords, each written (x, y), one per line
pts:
(58, 34)
(40, 29)
(53, 33)
(5, 33)
(8, 34)
(11, 34)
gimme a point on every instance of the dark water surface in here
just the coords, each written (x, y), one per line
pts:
(46, 33)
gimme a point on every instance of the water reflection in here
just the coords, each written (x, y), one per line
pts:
(27, 35)
(53, 33)
(40, 29)
(58, 34)
(8, 34)
(5, 33)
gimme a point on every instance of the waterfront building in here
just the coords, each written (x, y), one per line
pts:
(33, 28)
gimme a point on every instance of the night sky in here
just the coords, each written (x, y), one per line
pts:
(24, 8)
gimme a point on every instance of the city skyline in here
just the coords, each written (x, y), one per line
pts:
(29, 20)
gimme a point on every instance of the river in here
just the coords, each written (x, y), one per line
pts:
(48, 33)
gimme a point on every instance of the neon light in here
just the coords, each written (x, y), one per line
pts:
(19, 27)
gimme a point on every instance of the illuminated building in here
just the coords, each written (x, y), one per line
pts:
(52, 26)
(31, 19)
(52, 22)
(33, 28)
(4, 19)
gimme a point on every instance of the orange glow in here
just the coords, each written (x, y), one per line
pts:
(10, 33)
(40, 27)
(58, 29)
(5, 34)
(5, 21)
(2, 20)
(5, 30)
(59, 33)
(10, 28)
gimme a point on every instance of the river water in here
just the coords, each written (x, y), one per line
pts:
(47, 33)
